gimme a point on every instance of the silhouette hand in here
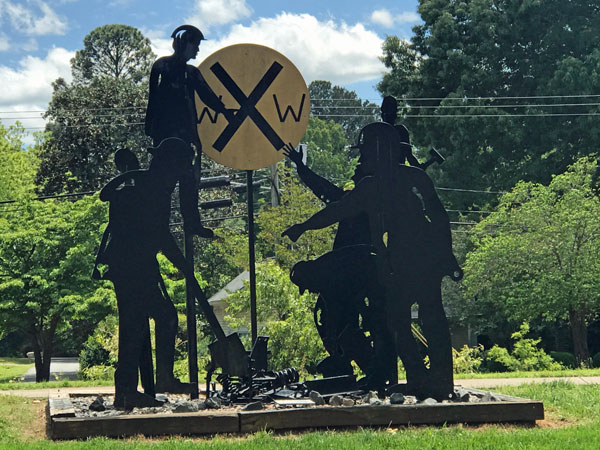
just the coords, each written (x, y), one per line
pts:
(293, 232)
(230, 113)
(290, 152)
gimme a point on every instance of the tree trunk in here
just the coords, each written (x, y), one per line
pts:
(42, 350)
(579, 334)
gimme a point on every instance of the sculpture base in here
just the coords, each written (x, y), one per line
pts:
(302, 414)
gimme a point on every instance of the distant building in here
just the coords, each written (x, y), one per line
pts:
(219, 301)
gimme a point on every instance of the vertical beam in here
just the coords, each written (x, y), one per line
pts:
(192, 345)
(251, 256)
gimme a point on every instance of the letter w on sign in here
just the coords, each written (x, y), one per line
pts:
(247, 106)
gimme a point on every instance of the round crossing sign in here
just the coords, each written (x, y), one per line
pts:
(270, 104)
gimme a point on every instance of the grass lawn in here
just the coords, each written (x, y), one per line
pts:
(11, 368)
(572, 421)
(53, 384)
(538, 374)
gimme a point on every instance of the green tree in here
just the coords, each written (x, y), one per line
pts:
(17, 165)
(114, 51)
(88, 123)
(284, 315)
(517, 53)
(297, 205)
(328, 152)
(537, 255)
(336, 103)
(46, 255)
(100, 112)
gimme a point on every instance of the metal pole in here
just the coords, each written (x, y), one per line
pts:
(251, 256)
(192, 345)
(274, 186)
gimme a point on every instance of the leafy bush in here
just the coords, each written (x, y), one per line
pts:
(497, 359)
(525, 356)
(93, 354)
(101, 348)
(467, 359)
(565, 358)
(284, 315)
(596, 360)
(98, 373)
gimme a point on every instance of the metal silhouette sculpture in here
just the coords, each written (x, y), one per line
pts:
(347, 308)
(408, 252)
(341, 315)
(138, 228)
(172, 112)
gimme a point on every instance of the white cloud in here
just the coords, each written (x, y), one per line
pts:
(386, 19)
(382, 17)
(218, 12)
(161, 46)
(329, 50)
(408, 17)
(29, 87)
(35, 18)
(4, 42)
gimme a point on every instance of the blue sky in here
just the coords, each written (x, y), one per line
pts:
(334, 40)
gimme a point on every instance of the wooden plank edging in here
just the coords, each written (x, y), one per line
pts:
(365, 415)
(213, 422)
(145, 424)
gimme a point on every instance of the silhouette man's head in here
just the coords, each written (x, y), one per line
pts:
(389, 110)
(125, 160)
(186, 40)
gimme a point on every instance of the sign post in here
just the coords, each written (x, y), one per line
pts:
(270, 104)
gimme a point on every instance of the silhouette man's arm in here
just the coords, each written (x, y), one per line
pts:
(322, 188)
(152, 96)
(351, 204)
(206, 94)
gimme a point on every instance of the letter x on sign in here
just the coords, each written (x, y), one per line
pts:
(247, 106)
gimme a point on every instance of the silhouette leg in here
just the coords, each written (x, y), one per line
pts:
(436, 330)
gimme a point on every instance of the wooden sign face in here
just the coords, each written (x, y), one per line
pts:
(271, 102)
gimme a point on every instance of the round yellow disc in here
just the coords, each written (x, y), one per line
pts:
(270, 102)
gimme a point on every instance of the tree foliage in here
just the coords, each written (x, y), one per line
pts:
(17, 165)
(46, 254)
(537, 255)
(516, 52)
(100, 112)
(297, 205)
(88, 123)
(336, 103)
(328, 152)
(113, 51)
(284, 315)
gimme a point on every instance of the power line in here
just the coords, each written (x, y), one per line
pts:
(75, 194)
(142, 114)
(468, 212)
(47, 197)
(351, 100)
(348, 116)
(458, 116)
(529, 97)
(527, 105)
(475, 191)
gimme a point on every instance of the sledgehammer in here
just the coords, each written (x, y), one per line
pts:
(435, 157)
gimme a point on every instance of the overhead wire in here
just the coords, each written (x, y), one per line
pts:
(375, 105)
